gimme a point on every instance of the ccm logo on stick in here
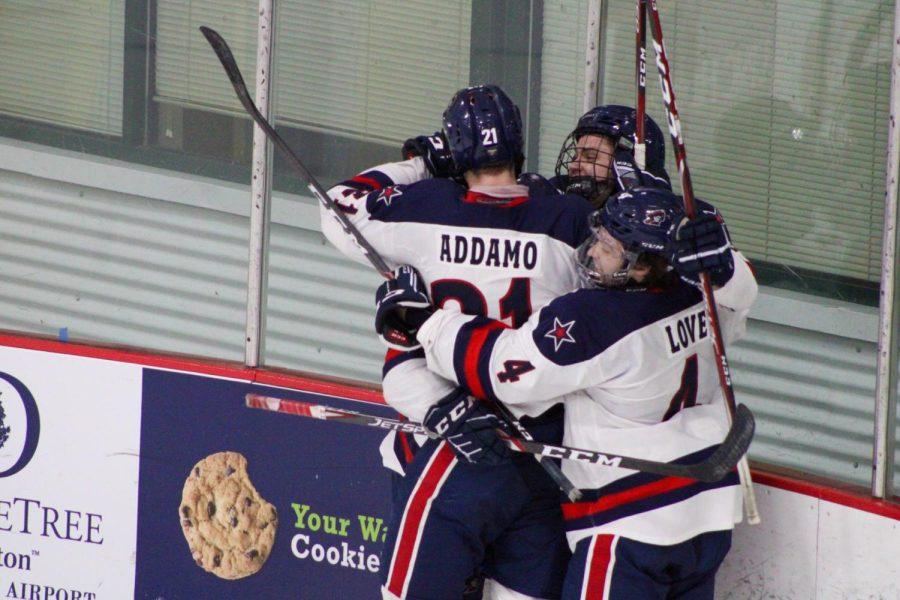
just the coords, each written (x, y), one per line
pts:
(594, 457)
(663, 67)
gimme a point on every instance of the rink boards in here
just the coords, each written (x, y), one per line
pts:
(97, 445)
(94, 511)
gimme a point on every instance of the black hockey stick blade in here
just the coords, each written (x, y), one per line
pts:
(223, 52)
(715, 467)
(220, 47)
(733, 447)
(725, 458)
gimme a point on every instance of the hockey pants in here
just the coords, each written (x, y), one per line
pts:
(609, 567)
(452, 519)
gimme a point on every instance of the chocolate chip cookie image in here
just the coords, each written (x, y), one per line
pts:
(229, 527)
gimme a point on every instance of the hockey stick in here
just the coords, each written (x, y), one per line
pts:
(713, 468)
(640, 79)
(690, 209)
(223, 52)
(220, 47)
(564, 483)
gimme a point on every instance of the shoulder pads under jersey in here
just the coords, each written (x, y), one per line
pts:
(579, 326)
(398, 200)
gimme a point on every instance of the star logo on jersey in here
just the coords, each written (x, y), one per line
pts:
(388, 194)
(560, 333)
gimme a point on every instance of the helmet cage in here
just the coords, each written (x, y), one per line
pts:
(618, 123)
(591, 188)
(591, 277)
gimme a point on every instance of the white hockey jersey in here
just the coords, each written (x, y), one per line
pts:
(639, 374)
(495, 251)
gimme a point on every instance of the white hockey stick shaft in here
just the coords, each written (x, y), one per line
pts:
(687, 189)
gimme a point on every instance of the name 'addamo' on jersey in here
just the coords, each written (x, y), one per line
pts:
(494, 251)
(639, 373)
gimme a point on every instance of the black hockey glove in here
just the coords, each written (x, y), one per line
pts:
(702, 244)
(628, 175)
(538, 185)
(625, 170)
(434, 150)
(401, 306)
(470, 427)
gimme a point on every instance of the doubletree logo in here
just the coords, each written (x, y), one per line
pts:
(18, 439)
(4, 431)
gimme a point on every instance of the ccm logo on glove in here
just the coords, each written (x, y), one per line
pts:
(455, 413)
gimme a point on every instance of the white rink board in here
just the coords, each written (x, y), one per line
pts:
(811, 549)
(85, 469)
(68, 518)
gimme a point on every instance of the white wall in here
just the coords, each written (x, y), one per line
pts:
(808, 548)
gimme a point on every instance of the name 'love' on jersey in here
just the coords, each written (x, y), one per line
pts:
(639, 373)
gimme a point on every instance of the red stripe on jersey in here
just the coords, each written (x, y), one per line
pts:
(750, 266)
(404, 443)
(412, 524)
(367, 181)
(473, 351)
(391, 354)
(498, 201)
(597, 567)
(577, 510)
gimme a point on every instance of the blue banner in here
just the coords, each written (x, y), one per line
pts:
(325, 479)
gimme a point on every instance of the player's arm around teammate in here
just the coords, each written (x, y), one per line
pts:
(634, 352)
(489, 248)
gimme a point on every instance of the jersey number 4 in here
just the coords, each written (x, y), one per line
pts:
(513, 369)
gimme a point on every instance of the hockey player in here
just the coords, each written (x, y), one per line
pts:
(491, 249)
(582, 169)
(597, 157)
(632, 352)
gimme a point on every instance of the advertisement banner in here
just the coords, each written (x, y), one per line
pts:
(242, 503)
(69, 446)
(122, 481)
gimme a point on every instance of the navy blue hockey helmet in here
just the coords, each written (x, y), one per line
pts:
(619, 123)
(483, 127)
(642, 219)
